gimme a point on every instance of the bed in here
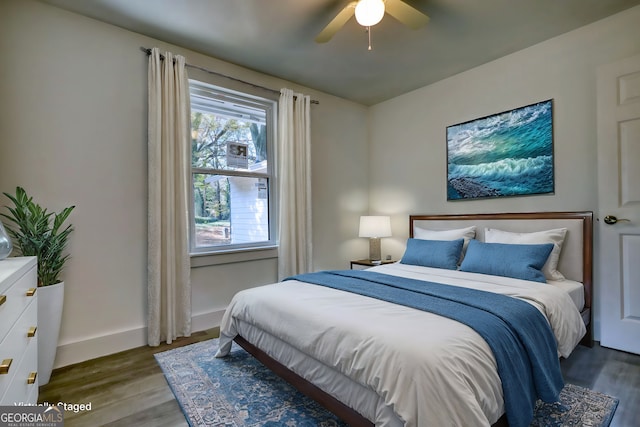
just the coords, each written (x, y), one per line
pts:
(373, 362)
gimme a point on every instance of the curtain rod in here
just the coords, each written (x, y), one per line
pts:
(215, 73)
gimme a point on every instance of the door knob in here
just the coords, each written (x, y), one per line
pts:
(611, 219)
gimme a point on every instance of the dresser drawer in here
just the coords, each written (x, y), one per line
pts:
(17, 343)
(11, 269)
(16, 300)
(20, 390)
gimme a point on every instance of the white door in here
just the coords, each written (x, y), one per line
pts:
(619, 198)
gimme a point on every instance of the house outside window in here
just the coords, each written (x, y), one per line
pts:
(232, 138)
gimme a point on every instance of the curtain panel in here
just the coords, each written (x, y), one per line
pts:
(294, 184)
(168, 265)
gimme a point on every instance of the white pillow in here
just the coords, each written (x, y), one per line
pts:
(555, 236)
(467, 234)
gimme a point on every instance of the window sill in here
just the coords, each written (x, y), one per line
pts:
(230, 257)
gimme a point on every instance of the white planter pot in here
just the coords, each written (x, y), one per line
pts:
(50, 301)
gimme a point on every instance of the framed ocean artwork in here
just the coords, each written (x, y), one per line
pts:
(502, 155)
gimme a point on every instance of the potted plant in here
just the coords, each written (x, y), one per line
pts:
(38, 232)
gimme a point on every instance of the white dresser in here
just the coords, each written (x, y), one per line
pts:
(18, 331)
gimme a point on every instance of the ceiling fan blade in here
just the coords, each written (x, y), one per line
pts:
(406, 14)
(338, 22)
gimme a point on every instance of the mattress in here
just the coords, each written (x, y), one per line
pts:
(355, 395)
(573, 288)
(393, 364)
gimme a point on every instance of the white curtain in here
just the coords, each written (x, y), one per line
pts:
(294, 178)
(168, 265)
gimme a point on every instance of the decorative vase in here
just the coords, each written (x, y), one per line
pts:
(50, 301)
(5, 243)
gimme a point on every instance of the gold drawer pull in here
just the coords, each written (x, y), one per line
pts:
(3, 298)
(32, 378)
(32, 331)
(5, 365)
(31, 292)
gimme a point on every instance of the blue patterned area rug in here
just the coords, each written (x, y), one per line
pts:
(239, 391)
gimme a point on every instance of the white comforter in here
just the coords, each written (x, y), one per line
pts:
(431, 370)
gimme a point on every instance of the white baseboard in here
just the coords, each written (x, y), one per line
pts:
(204, 321)
(79, 351)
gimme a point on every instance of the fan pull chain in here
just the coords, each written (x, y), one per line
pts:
(369, 33)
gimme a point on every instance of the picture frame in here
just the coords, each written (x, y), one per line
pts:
(502, 155)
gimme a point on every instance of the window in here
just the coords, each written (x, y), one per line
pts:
(231, 170)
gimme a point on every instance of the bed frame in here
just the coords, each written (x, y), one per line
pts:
(579, 265)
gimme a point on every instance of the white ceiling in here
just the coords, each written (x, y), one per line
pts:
(276, 36)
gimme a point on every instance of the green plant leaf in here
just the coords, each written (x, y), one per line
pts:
(38, 232)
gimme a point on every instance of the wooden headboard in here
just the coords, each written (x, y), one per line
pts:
(576, 258)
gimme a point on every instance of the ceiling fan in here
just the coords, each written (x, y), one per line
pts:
(369, 12)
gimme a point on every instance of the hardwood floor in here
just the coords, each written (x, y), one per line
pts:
(608, 371)
(125, 389)
(128, 388)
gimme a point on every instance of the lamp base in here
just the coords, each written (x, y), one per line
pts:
(374, 249)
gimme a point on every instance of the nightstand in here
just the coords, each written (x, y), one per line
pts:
(361, 264)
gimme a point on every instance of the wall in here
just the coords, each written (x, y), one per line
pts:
(73, 132)
(408, 133)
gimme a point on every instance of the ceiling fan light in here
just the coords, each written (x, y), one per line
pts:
(369, 12)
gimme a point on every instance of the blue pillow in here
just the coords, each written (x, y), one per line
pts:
(509, 260)
(433, 253)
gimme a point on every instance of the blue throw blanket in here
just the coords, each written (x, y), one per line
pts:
(520, 337)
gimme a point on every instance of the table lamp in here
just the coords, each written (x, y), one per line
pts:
(375, 227)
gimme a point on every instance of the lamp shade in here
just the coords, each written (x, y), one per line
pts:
(375, 226)
(369, 12)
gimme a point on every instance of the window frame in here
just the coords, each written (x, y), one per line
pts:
(211, 99)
